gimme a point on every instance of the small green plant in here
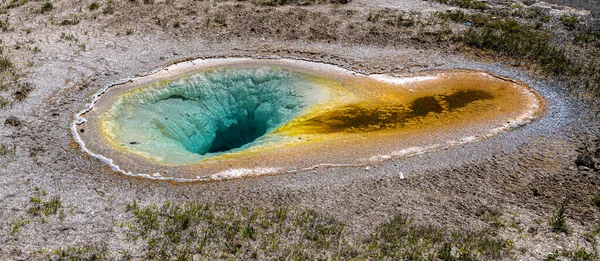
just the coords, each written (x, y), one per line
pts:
(51, 207)
(98, 251)
(220, 19)
(109, 8)
(68, 37)
(373, 17)
(588, 37)
(94, 6)
(472, 4)
(17, 225)
(5, 64)
(23, 91)
(559, 219)
(46, 7)
(129, 31)
(72, 21)
(596, 200)
(494, 219)
(579, 254)
(15, 3)
(3, 102)
(4, 25)
(40, 206)
(569, 21)
(401, 20)
(7, 149)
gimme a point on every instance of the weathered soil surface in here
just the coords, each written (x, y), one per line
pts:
(521, 175)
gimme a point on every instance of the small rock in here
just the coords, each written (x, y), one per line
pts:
(583, 168)
(585, 159)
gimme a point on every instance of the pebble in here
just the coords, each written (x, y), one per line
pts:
(584, 168)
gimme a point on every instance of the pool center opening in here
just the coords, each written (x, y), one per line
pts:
(213, 112)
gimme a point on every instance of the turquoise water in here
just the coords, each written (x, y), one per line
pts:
(209, 113)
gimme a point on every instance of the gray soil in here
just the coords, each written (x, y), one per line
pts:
(522, 174)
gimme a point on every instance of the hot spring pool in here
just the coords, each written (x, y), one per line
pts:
(224, 118)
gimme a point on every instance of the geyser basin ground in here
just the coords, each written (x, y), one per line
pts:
(224, 118)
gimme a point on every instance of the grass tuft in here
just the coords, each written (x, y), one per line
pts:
(596, 200)
(40, 206)
(559, 220)
(23, 91)
(5, 64)
(3, 102)
(97, 251)
(570, 21)
(7, 149)
(46, 7)
(94, 6)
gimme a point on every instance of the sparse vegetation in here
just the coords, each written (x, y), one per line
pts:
(468, 4)
(72, 21)
(98, 251)
(510, 38)
(94, 6)
(596, 200)
(513, 39)
(15, 3)
(402, 20)
(559, 219)
(7, 149)
(46, 7)
(579, 254)
(68, 37)
(5, 64)
(570, 21)
(401, 239)
(588, 37)
(40, 206)
(494, 219)
(17, 225)
(23, 91)
(373, 17)
(3, 102)
(4, 24)
(180, 231)
(297, 2)
(109, 8)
